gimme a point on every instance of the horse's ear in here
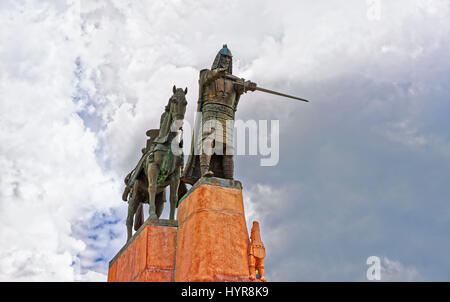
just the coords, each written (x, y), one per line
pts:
(174, 89)
(185, 91)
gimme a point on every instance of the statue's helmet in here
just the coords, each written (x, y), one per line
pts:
(255, 235)
(219, 60)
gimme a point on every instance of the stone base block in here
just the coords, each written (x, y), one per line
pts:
(149, 256)
(213, 241)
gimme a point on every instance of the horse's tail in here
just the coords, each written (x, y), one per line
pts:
(139, 217)
(182, 190)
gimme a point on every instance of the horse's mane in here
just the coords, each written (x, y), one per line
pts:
(167, 109)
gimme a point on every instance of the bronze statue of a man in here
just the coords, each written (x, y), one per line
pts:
(219, 93)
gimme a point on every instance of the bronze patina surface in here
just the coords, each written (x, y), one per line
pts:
(158, 167)
(219, 95)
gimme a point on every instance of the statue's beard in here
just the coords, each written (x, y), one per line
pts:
(226, 66)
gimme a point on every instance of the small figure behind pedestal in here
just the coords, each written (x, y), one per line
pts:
(256, 253)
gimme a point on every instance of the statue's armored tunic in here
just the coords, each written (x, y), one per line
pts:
(220, 98)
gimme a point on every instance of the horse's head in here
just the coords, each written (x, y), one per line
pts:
(177, 103)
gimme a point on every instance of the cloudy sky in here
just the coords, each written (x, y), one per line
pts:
(364, 167)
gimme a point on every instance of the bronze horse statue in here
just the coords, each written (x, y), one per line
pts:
(160, 166)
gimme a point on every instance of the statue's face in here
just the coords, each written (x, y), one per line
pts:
(225, 62)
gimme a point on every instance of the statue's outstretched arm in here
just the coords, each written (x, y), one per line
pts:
(212, 75)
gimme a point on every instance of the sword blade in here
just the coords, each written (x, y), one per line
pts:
(241, 82)
(280, 94)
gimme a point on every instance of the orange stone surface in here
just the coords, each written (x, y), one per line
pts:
(149, 257)
(208, 243)
(212, 242)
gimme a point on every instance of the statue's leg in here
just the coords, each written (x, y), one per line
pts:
(204, 165)
(174, 183)
(152, 175)
(260, 267)
(252, 263)
(228, 166)
(205, 157)
(133, 203)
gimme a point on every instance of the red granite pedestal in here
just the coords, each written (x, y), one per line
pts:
(149, 256)
(209, 241)
(212, 243)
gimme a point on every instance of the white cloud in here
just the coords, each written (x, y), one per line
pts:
(395, 271)
(50, 175)
(91, 276)
(134, 51)
(81, 81)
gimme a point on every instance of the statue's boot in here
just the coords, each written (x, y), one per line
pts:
(261, 273)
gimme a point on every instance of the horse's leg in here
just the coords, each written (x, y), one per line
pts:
(174, 183)
(143, 198)
(152, 175)
(133, 202)
(159, 202)
(139, 217)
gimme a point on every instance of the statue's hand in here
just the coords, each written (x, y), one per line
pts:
(215, 74)
(249, 85)
(222, 70)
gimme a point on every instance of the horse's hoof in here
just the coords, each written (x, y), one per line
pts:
(153, 217)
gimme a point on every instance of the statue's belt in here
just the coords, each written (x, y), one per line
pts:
(213, 103)
(218, 107)
(258, 245)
